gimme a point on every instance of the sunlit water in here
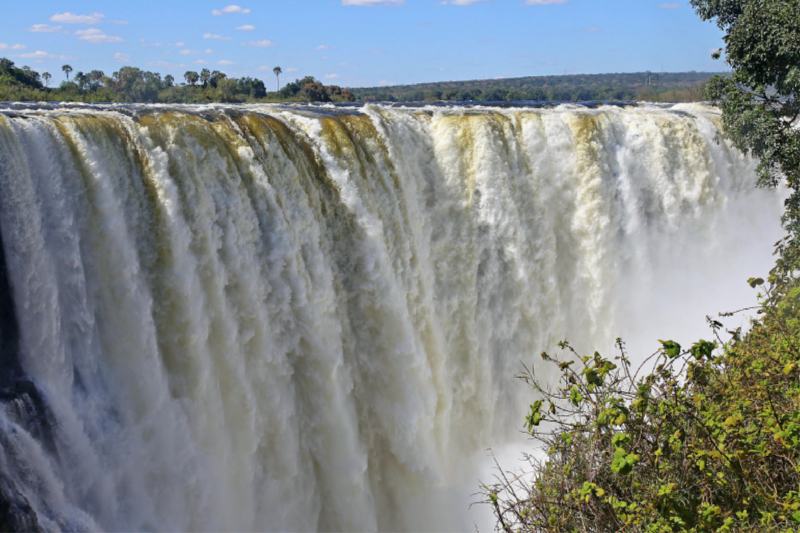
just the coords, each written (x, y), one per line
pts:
(309, 318)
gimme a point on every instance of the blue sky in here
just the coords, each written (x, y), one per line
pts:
(361, 42)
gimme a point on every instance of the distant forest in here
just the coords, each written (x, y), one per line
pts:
(650, 86)
(130, 84)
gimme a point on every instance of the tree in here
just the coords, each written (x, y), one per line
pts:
(46, 77)
(205, 77)
(216, 77)
(315, 92)
(759, 100)
(169, 80)
(191, 77)
(278, 71)
(67, 69)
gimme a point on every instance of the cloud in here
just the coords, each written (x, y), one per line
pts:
(225, 62)
(123, 22)
(370, 3)
(44, 55)
(122, 58)
(200, 62)
(246, 27)
(461, 2)
(4, 46)
(543, 2)
(164, 64)
(44, 28)
(208, 51)
(93, 35)
(291, 69)
(669, 6)
(230, 9)
(72, 18)
(346, 64)
(323, 47)
(260, 44)
(189, 52)
(215, 36)
(331, 76)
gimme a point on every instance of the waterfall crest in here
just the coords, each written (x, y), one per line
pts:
(253, 318)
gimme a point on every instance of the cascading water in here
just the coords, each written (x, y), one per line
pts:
(294, 319)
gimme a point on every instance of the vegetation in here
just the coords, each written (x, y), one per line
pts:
(709, 439)
(130, 84)
(673, 87)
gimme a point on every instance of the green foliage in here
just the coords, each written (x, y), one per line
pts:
(130, 84)
(708, 440)
(679, 87)
(759, 101)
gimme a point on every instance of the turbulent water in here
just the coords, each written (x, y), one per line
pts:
(259, 318)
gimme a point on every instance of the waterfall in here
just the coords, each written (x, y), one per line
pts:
(277, 318)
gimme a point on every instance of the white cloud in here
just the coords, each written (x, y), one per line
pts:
(260, 44)
(72, 18)
(44, 28)
(214, 36)
(4, 46)
(230, 9)
(669, 6)
(188, 52)
(200, 62)
(122, 58)
(44, 55)
(208, 51)
(246, 27)
(93, 35)
(376, 52)
(225, 62)
(461, 2)
(323, 47)
(331, 76)
(543, 2)
(164, 64)
(123, 22)
(373, 2)
(291, 69)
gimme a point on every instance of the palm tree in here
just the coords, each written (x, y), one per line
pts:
(67, 69)
(46, 77)
(191, 77)
(278, 71)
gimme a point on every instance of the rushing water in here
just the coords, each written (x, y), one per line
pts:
(295, 319)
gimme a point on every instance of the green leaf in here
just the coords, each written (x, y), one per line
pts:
(575, 396)
(671, 348)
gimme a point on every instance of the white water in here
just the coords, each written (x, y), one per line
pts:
(265, 318)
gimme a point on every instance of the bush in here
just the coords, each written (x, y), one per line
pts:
(709, 440)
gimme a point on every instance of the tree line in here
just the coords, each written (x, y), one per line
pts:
(131, 84)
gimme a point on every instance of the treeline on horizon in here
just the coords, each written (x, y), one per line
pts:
(131, 84)
(648, 86)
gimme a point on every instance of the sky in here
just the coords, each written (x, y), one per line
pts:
(361, 43)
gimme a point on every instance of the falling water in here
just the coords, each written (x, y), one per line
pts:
(309, 318)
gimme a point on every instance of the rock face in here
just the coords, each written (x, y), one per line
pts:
(20, 396)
